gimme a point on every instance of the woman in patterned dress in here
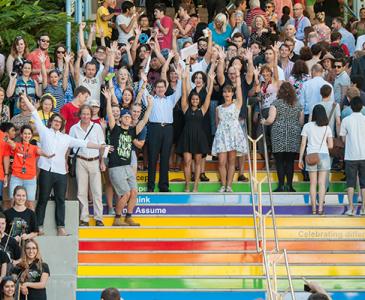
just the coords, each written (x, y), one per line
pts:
(229, 138)
(286, 117)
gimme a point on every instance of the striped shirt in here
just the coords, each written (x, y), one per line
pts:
(22, 86)
(58, 93)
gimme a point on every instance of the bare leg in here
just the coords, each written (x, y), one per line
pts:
(121, 203)
(187, 170)
(222, 162)
(132, 201)
(198, 162)
(313, 189)
(231, 167)
(350, 196)
(322, 178)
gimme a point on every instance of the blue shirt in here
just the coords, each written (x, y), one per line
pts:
(348, 39)
(303, 22)
(342, 80)
(220, 38)
(162, 110)
(310, 95)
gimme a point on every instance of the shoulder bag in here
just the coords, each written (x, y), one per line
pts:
(338, 149)
(313, 158)
(71, 161)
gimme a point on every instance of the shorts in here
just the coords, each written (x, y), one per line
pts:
(354, 169)
(122, 179)
(29, 184)
(323, 165)
(134, 161)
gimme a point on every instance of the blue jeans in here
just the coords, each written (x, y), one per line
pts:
(30, 186)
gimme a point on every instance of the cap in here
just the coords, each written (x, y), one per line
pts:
(125, 112)
(94, 102)
(327, 56)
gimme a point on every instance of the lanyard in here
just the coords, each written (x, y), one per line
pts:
(25, 154)
(297, 21)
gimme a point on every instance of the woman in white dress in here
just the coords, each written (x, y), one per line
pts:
(229, 139)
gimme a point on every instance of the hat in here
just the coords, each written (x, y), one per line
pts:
(327, 56)
(125, 112)
(94, 102)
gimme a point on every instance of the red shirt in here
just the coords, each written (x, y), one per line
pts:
(36, 63)
(257, 11)
(70, 113)
(25, 156)
(165, 41)
(4, 151)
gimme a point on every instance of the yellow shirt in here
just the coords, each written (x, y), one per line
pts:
(103, 11)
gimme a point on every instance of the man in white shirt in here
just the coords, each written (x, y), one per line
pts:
(352, 133)
(89, 163)
(126, 22)
(53, 170)
(311, 95)
(290, 32)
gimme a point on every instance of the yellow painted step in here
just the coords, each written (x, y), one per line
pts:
(218, 233)
(341, 222)
(178, 270)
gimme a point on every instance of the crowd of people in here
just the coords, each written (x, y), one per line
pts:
(161, 89)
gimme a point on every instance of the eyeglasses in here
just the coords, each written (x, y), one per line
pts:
(338, 66)
(44, 41)
(57, 121)
(100, 52)
(61, 52)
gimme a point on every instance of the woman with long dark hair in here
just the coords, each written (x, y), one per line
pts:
(32, 273)
(7, 288)
(317, 136)
(286, 117)
(18, 53)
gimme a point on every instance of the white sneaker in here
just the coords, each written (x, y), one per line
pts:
(350, 212)
(362, 211)
(222, 189)
(229, 189)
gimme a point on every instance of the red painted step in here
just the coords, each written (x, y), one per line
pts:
(217, 245)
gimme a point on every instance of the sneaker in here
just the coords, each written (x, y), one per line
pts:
(204, 177)
(130, 222)
(350, 212)
(362, 211)
(222, 189)
(119, 222)
(83, 223)
(229, 189)
(99, 223)
(111, 211)
(242, 178)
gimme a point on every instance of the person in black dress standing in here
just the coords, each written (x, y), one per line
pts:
(193, 141)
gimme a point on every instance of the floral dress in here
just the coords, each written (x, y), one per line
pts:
(229, 135)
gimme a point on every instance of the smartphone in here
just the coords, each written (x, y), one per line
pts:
(307, 288)
(13, 73)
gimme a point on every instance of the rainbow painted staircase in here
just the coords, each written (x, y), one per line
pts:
(202, 246)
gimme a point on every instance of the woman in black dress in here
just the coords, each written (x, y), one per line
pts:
(32, 273)
(193, 141)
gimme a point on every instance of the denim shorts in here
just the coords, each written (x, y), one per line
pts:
(30, 186)
(323, 165)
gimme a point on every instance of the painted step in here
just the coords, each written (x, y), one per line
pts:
(215, 270)
(214, 258)
(243, 187)
(218, 245)
(206, 221)
(206, 295)
(213, 283)
(142, 176)
(217, 233)
(228, 209)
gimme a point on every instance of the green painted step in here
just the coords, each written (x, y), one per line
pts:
(301, 187)
(202, 283)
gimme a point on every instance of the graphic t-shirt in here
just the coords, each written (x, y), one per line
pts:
(122, 140)
(35, 275)
(13, 249)
(24, 222)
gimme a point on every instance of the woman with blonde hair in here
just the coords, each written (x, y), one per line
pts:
(32, 273)
(221, 30)
(121, 82)
(323, 31)
(260, 33)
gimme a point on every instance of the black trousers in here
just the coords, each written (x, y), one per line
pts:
(47, 181)
(160, 140)
(214, 7)
(285, 166)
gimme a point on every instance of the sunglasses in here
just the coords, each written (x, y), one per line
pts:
(268, 6)
(337, 66)
(61, 52)
(44, 41)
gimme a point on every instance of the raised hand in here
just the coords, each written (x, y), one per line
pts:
(93, 27)
(42, 58)
(82, 26)
(107, 94)
(138, 31)
(67, 58)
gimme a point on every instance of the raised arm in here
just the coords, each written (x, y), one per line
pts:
(81, 35)
(77, 68)
(66, 71)
(175, 32)
(220, 67)
(211, 77)
(208, 54)
(129, 55)
(108, 98)
(184, 97)
(109, 59)
(166, 65)
(250, 67)
(91, 36)
(42, 59)
(135, 43)
(144, 121)
(11, 86)
(239, 97)
(143, 87)
(275, 66)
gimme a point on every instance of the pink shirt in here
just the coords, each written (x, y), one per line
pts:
(165, 41)
(36, 63)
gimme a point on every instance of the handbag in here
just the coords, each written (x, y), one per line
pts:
(313, 158)
(71, 160)
(338, 149)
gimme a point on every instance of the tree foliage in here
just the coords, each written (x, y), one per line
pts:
(30, 19)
